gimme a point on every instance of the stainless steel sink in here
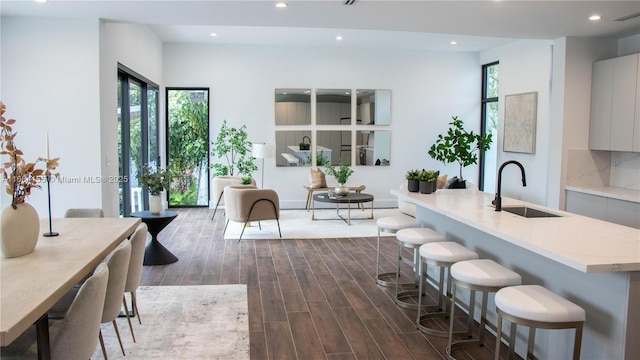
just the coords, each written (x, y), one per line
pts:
(528, 212)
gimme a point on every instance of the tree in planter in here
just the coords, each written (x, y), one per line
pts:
(459, 145)
(233, 146)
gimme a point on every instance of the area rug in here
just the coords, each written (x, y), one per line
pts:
(297, 224)
(184, 322)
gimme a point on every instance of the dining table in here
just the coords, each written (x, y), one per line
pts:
(31, 284)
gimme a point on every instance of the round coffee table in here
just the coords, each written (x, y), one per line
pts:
(350, 198)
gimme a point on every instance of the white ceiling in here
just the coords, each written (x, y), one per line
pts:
(425, 25)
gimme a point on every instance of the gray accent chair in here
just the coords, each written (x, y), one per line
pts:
(84, 213)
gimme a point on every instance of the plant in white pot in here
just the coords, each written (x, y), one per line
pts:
(156, 182)
(20, 221)
(461, 146)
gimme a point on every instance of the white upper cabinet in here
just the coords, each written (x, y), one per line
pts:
(614, 105)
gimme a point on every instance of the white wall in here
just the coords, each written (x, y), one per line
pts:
(525, 66)
(427, 88)
(50, 83)
(138, 48)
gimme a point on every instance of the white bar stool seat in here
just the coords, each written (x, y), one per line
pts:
(442, 254)
(391, 224)
(412, 238)
(536, 307)
(477, 275)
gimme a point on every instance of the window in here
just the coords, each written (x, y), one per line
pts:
(137, 136)
(489, 125)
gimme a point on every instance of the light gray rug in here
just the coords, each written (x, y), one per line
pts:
(184, 322)
(297, 224)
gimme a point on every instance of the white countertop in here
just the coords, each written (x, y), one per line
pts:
(609, 192)
(580, 242)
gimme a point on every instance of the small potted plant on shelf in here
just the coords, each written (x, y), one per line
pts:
(156, 182)
(413, 180)
(341, 175)
(460, 146)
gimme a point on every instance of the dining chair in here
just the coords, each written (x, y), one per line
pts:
(84, 213)
(77, 335)
(138, 241)
(118, 263)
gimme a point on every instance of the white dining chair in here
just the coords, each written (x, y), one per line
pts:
(118, 262)
(138, 241)
(84, 213)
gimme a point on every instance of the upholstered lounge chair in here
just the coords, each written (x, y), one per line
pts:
(248, 203)
(220, 183)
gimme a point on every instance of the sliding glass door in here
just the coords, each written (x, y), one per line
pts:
(188, 146)
(137, 136)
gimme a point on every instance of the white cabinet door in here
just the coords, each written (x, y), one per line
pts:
(623, 212)
(623, 102)
(636, 126)
(587, 205)
(601, 92)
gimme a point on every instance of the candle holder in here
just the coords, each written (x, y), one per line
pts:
(50, 233)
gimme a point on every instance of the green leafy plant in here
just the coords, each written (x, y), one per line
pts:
(246, 180)
(412, 174)
(459, 145)
(233, 146)
(155, 180)
(431, 175)
(341, 174)
(19, 175)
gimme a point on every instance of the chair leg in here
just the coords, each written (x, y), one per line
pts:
(225, 227)
(308, 200)
(242, 232)
(115, 326)
(218, 203)
(126, 312)
(134, 305)
(279, 232)
(104, 350)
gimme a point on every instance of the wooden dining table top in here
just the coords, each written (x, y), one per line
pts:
(30, 285)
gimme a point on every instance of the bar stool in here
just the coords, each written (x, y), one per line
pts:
(477, 275)
(391, 224)
(442, 254)
(536, 307)
(412, 238)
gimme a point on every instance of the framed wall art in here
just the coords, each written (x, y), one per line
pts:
(520, 112)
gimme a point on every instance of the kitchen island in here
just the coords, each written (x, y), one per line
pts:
(592, 263)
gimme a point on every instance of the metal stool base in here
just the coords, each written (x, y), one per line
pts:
(380, 279)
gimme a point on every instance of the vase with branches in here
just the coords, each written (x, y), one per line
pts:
(20, 221)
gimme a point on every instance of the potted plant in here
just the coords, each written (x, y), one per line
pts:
(460, 146)
(341, 175)
(427, 181)
(232, 146)
(20, 221)
(413, 180)
(156, 182)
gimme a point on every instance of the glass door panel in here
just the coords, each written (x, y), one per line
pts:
(188, 146)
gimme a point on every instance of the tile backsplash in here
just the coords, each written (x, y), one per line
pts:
(603, 168)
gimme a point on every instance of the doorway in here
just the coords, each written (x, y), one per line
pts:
(188, 146)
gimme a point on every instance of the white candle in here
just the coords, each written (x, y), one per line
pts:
(47, 145)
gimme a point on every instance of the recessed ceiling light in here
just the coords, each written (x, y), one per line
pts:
(281, 4)
(41, 1)
(213, 34)
(453, 43)
(595, 17)
(338, 37)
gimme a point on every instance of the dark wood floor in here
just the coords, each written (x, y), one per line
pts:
(308, 299)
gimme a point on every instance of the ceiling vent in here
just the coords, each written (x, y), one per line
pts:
(350, 2)
(627, 17)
